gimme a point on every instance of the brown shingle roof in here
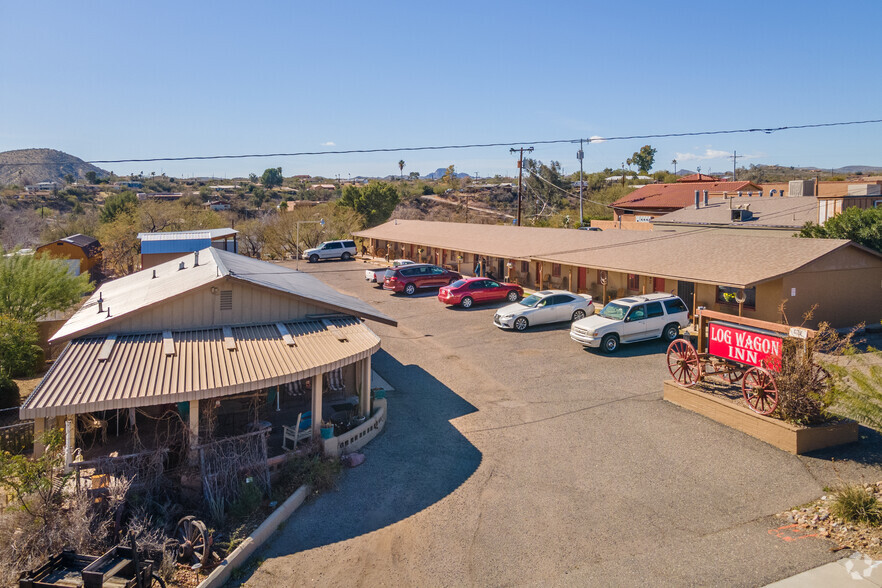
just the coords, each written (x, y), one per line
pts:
(138, 372)
(676, 196)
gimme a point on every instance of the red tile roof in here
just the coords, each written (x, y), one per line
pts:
(677, 196)
(698, 178)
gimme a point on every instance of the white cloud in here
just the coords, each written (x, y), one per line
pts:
(597, 139)
(329, 144)
(708, 154)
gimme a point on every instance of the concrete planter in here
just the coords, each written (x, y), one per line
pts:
(783, 435)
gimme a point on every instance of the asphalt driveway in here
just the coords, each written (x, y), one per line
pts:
(523, 459)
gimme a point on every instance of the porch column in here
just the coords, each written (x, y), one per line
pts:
(39, 429)
(364, 391)
(70, 436)
(193, 417)
(316, 405)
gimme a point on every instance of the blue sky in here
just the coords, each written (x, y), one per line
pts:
(114, 80)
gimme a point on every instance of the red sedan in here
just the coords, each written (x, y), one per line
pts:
(469, 291)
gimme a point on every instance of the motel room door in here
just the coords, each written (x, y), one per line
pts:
(582, 279)
(686, 291)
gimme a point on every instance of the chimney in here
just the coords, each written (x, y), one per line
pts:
(196, 262)
(697, 199)
(705, 198)
(726, 196)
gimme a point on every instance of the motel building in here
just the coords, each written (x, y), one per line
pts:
(705, 267)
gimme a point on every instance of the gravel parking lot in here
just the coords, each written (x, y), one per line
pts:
(523, 459)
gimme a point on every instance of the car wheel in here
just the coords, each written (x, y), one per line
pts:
(578, 315)
(346, 256)
(521, 324)
(313, 258)
(409, 289)
(512, 296)
(467, 302)
(610, 344)
(671, 332)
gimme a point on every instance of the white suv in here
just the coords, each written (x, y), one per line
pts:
(635, 318)
(344, 250)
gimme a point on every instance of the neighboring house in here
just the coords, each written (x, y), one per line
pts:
(858, 195)
(217, 205)
(292, 204)
(701, 265)
(747, 215)
(128, 184)
(83, 254)
(162, 196)
(209, 332)
(42, 187)
(326, 187)
(655, 200)
(158, 248)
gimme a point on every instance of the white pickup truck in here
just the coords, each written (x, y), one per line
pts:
(376, 276)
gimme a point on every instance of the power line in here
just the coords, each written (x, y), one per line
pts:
(767, 130)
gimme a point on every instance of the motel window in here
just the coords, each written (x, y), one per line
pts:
(555, 270)
(728, 296)
(525, 267)
(633, 282)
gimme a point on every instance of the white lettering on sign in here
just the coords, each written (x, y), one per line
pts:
(798, 333)
(744, 346)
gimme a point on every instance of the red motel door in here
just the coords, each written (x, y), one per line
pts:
(583, 277)
(658, 284)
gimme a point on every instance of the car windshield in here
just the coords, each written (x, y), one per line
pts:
(457, 283)
(531, 300)
(614, 311)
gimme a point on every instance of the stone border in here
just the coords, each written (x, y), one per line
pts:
(783, 435)
(219, 575)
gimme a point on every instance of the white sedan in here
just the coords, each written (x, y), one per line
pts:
(376, 276)
(547, 306)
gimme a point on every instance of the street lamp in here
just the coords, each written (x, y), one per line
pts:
(320, 221)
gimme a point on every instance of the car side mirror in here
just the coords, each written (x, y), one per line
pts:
(627, 319)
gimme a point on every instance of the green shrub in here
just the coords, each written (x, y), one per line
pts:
(856, 505)
(250, 497)
(20, 356)
(9, 394)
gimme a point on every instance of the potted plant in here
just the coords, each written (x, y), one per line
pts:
(327, 429)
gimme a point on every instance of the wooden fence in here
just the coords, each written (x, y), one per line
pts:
(17, 438)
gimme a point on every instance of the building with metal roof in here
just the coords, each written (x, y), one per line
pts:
(157, 248)
(746, 214)
(210, 325)
(658, 199)
(705, 266)
(82, 252)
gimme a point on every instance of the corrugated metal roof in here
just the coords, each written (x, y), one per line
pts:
(182, 235)
(701, 255)
(132, 293)
(137, 371)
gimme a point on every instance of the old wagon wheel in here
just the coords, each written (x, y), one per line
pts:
(683, 363)
(194, 542)
(821, 381)
(760, 391)
(733, 374)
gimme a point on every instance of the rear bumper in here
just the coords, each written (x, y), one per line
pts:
(396, 287)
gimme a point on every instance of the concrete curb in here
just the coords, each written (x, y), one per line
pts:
(240, 555)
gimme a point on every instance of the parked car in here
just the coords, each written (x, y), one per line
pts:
(635, 318)
(583, 228)
(331, 250)
(547, 306)
(469, 291)
(378, 275)
(410, 278)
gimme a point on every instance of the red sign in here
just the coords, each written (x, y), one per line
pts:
(743, 346)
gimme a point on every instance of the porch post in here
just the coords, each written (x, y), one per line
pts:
(70, 442)
(39, 429)
(316, 405)
(194, 422)
(364, 392)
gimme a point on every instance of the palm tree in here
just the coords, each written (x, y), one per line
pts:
(675, 166)
(401, 167)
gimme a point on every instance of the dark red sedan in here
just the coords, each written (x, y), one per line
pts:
(469, 291)
(409, 278)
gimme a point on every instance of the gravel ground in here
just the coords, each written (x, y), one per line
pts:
(522, 459)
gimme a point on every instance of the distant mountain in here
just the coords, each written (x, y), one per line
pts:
(30, 166)
(439, 173)
(854, 169)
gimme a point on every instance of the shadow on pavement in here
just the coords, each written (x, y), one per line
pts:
(419, 459)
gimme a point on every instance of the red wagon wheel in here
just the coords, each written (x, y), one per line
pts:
(760, 391)
(683, 363)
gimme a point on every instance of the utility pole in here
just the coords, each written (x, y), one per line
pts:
(579, 156)
(520, 175)
(734, 157)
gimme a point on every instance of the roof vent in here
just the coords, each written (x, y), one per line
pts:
(154, 274)
(100, 302)
(739, 215)
(196, 262)
(181, 266)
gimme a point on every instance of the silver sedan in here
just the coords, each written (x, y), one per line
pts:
(547, 306)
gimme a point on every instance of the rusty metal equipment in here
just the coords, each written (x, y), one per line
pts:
(690, 364)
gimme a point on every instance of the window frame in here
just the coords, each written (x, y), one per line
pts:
(721, 300)
(634, 282)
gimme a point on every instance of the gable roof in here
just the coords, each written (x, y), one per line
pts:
(184, 235)
(90, 245)
(698, 178)
(676, 196)
(135, 292)
(779, 212)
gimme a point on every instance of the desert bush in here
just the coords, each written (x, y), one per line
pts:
(855, 504)
(9, 394)
(248, 501)
(320, 473)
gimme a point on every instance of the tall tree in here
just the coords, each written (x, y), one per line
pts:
(674, 161)
(401, 167)
(272, 177)
(643, 159)
(375, 202)
(31, 286)
(861, 225)
(117, 204)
